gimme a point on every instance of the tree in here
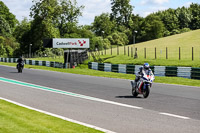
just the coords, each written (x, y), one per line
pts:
(23, 36)
(2, 48)
(195, 21)
(118, 38)
(121, 11)
(44, 14)
(7, 16)
(169, 19)
(135, 24)
(68, 16)
(184, 16)
(4, 27)
(102, 25)
(152, 28)
(53, 19)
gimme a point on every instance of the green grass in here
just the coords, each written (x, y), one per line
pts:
(16, 119)
(56, 59)
(185, 41)
(121, 59)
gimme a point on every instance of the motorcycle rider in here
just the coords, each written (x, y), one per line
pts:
(20, 60)
(145, 67)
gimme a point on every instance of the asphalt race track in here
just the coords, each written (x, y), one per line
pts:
(105, 102)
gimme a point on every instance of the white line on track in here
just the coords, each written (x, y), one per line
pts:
(173, 115)
(59, 116)
(30, 85)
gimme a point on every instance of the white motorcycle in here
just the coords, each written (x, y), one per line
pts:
(143, 85)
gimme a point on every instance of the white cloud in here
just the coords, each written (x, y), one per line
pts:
(93, 8)
(160, 2)
(150, 10)
(187, 4)
(20, 8)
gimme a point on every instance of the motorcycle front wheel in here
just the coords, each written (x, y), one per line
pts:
(134, 92)
(20, 70)
(146, 92)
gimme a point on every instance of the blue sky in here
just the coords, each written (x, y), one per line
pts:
(21, 8)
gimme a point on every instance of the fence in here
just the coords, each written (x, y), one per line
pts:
(185, 72)
(38, 63)
(172, 53)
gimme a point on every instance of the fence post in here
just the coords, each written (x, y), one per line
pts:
(117, 49)
(128, 51)
(155, 52)
(111, 49)
(124, 50)
(131, 51)
(166, 53)
(192, 53)
(145, 53)
(135, 56)
(179, 53)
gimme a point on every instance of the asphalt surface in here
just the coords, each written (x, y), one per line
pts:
(169, 108)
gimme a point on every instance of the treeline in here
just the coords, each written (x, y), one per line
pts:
(59, 19)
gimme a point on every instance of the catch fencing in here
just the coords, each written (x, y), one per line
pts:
(185, 72)
(171, 53)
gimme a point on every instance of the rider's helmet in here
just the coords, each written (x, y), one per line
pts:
(146, 66)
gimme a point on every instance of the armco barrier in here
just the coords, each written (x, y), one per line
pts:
(130, 69)
(39, 63)
(100, 66)
(185, 72)
(159, 70)
(171, 71)
(121, 68)
(107, 67)
(90, 65)
(195, 73)
(115, 68)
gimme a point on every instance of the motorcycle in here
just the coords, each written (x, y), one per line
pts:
(143, 85)
(20, 67)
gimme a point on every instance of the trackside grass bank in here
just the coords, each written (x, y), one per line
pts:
(16, 119)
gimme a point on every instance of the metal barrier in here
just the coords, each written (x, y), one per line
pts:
(172, 71)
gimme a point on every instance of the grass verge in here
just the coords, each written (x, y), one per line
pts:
(16, 119)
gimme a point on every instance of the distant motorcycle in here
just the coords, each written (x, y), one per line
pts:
(143, 85)
(20, 67)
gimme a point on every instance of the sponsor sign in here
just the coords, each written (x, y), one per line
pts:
(71, 43)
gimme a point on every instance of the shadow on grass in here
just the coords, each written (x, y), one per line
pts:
(103, 59)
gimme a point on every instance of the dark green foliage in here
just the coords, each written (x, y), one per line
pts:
(121, 11)
(103, 26)
(195, 12)
(152, 28)
(6, 15)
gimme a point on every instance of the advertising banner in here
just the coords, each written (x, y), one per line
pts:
(71, 43)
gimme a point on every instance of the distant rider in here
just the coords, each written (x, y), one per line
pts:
(20, 60)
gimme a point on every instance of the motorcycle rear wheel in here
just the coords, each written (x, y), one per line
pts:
(146, 92)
